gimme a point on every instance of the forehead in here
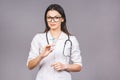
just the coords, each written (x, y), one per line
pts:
(53, 13)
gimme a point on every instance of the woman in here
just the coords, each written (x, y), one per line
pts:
(54, 49)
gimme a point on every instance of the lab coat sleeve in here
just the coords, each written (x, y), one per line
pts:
(76, 53)
(34, 49)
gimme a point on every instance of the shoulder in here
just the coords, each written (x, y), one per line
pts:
(39, 36)
(74, 39)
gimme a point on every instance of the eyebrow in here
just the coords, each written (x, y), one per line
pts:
(54, 16)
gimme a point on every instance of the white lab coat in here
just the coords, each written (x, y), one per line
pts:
(46, 72)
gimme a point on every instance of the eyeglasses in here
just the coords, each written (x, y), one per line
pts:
(56, 19)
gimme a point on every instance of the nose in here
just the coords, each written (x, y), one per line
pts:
(52, 20)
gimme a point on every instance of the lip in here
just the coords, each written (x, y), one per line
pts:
(52, 24)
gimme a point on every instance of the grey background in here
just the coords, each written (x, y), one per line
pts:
(96, 24)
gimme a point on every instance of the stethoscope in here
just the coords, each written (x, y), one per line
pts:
(68, 40)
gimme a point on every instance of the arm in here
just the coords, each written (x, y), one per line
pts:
(68, 67)
(73, 67)
(34, 62)
(76, 66)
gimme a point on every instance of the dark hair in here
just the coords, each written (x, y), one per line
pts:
(59, 9)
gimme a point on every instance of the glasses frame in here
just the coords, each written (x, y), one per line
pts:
(55, 19)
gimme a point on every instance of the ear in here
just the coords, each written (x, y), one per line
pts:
(62, 20)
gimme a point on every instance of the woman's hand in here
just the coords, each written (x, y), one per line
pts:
(66, 67)
(59, 66)
(46, 50)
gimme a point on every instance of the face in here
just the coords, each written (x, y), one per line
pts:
(54, 19)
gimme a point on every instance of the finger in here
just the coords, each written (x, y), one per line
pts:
(52, 65)
(56, 63)
(50, 50)
(48, 46)
(58, 68)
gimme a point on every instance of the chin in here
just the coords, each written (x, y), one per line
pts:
(53, 28)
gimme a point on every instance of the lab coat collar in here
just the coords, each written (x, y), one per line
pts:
(62, 35)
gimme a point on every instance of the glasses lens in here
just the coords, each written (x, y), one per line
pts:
(49, 19)
(56, 19)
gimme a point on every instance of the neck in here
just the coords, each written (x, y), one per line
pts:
(55, 33)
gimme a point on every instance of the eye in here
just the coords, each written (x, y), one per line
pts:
(49, 17)
(57, 17)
